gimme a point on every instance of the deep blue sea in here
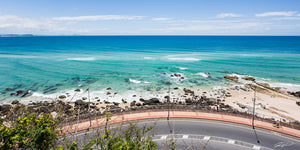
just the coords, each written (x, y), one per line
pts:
(51, 64)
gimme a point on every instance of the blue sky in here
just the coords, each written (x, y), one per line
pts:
(150, 17)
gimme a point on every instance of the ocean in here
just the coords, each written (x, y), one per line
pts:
(52, 65)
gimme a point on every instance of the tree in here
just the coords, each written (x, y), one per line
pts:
(30, 131)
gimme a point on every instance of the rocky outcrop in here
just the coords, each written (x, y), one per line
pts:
(5, 108)
(249, 78)
(62, 96)
(233, 78)
(15, 102)
(296, 94)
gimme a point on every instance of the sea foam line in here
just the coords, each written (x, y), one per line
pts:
(183, 59)
(83, 58)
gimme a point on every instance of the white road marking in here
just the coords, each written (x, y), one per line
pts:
(256, 147)
(185, 136)
(206, 138)
(231, 141)
(163, 137)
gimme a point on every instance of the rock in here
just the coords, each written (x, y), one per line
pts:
(108, 93)
(133, 95)
(265, 85)
(296, 94)
(84, 98)
(175, 88)
(188, 101)
(182, 78)
(12, 94)
(5, 108)
(233, 78)
(79, 102)
(9, 89)
(249, 78)
(298, 103)
(116, 103)
(96, 97)
(109, 88)
(16, 108)
(19, 92)
(77, 90)
(26, 93)
(62, 96)
(138, 104)
(132, 103)
(15, 102)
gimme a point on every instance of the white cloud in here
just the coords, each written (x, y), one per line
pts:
(160, 19)
(287, 18)
(278, 13)
(7, 21)
(224, 15)
(99, 17)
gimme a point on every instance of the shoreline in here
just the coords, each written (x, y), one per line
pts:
(271, 102)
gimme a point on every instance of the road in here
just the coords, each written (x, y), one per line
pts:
(208, 134)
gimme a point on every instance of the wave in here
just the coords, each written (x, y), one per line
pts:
(82, 59)
(149, 58)
(137, 81)
(184, 59)
(18, 56)
(181, 68)
(205, 75)
(288, 86)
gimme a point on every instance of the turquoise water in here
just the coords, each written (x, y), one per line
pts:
(51, 64)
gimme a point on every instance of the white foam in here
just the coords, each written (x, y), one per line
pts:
(146, 82)
(181, 68)
(205, 75)
(288, 86)
(149, 58)
(135, 81)
(184, 59)
(82, 58)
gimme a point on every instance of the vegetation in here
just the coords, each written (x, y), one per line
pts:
(31, 131)
(41, 132)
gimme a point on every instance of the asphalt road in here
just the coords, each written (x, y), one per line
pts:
(208, 134)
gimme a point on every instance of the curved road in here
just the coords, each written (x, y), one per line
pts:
(208, 134)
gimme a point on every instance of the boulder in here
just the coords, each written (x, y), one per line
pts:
(19, 92)
(15, 102)
(296, 94)
(108, 93)
(138, 104)
(84, 98)
(79, 102)
(77, 90)
(132, 104)
(233, 78)
(9, 89)
(62, 96)
(109, 88)
(26, 93)
(5, 108)
(249, 78)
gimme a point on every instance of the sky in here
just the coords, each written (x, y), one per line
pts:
(150, 17)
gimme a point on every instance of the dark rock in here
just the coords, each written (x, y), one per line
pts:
(182, 78)
(175, 88)
(79, 102)
(296, 94)
(133, 95)
(233, 78)
(15, 102)
(5, 108)
(26, 93)
(9, 89)
(188, 101)
(109, 88)
(96, 97)
(138, 104)
(77, 90)
(132, 103)
(116, 103)
(108, 93)
(298, 103)
(249, 78)
(62, 96)
(16, 108)
(13, 94)
(19, 92)
(84, 98)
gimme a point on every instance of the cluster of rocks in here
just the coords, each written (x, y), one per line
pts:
(235, 78)
(296, 94)
(20, 93)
